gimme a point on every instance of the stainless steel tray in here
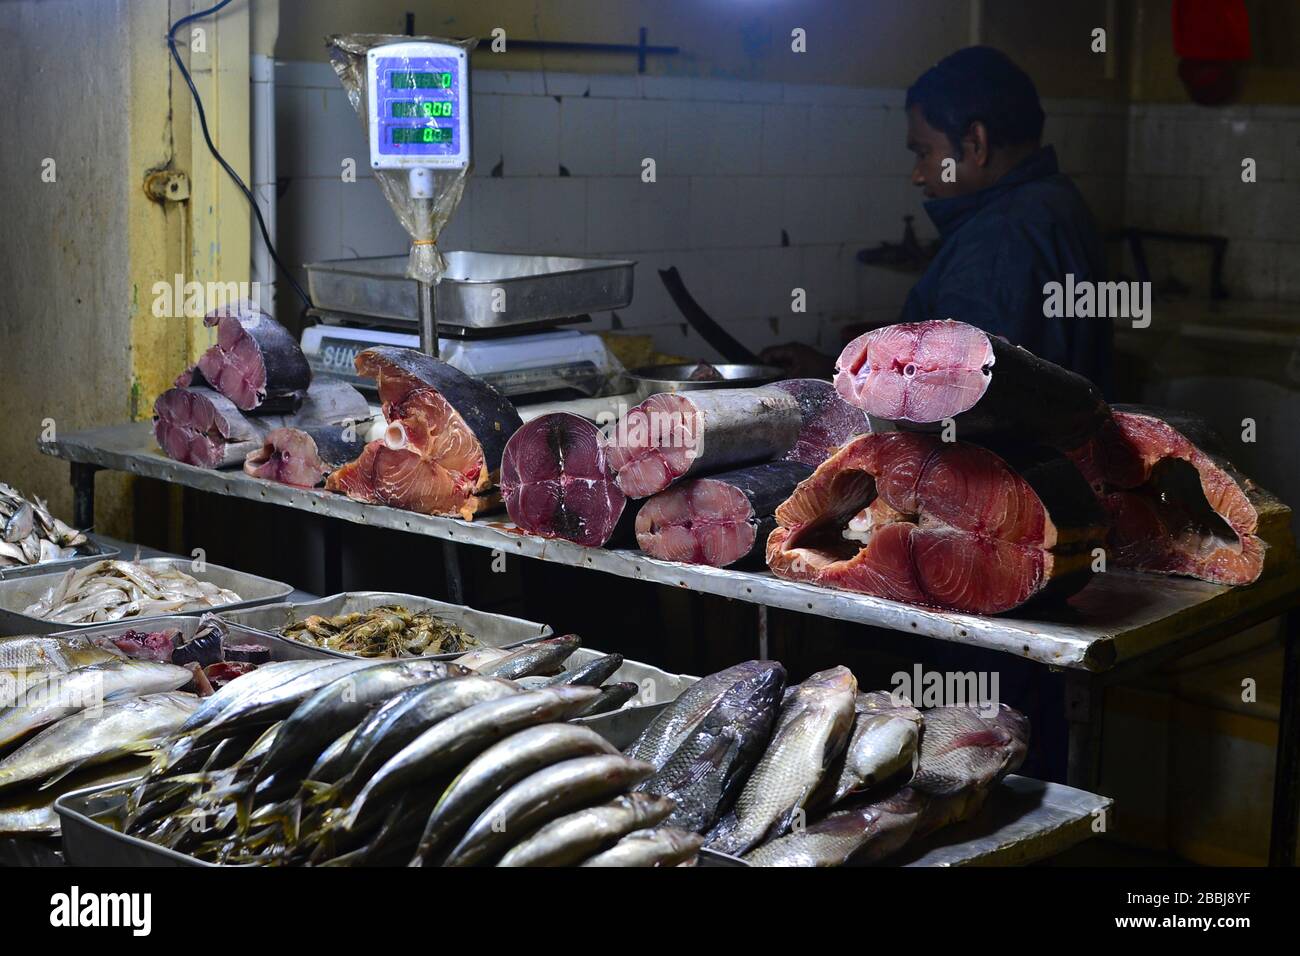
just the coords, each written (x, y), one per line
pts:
(100, 552)
(496, 630)
(658, 689)
(87, 842)
(282, 649)
(537, 288)
(18, 594)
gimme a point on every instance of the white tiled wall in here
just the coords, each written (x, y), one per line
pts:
(761, 188)
(1184, 173)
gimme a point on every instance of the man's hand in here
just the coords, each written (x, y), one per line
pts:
(798, 360)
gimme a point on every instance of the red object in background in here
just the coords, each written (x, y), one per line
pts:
(1211, 38)
(1211, 30)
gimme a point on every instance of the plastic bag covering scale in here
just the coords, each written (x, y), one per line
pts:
(422, 219)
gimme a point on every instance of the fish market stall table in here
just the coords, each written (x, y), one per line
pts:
(1121, 626)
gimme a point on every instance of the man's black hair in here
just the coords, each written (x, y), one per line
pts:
(980, 84)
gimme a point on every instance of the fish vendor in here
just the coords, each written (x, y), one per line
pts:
(1010, 222)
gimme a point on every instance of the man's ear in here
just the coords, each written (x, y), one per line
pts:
(975, 144)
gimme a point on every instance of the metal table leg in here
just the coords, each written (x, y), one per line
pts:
(332, 558)
(451, 566)
(1286, 779)
(1083, 711)
(82, 477)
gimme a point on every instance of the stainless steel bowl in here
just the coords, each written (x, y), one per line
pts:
(652, 379)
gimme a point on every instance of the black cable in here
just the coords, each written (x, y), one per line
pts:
(203, 124)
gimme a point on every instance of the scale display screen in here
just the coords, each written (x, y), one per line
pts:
(418, 101)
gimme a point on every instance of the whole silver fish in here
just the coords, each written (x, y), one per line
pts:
(495, 769)
(540, 657)
(342, 703)
(540, 798)
(54, 695)
(961, 749)
(96, 736)
(27, 653)
(576, 837)
(591, 674)
(811, 730)
(248, 687)
(611, 698)
(864, 834)
(30, 813)
(459, 738)
(705, 774)
(661, 847)
(678, 720)
(480, 656)
(884, 742)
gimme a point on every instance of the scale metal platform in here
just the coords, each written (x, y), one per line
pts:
(498, 316)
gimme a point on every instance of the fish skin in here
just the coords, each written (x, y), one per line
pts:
(864, 834)
(384, 734)
(570, 839)
(660, 847)
(25, 654)
(501, 765)
(480, 656)
(94, 737)
(612, 697)
(539, 799)
(705, 774)
(30, 813)
(264, 678)
(342, 703)
(55, 696)
(811, 730)
(591, 674)
(535, 658)
(459, 738)
(960, 749)
(884, 742)
(678, 720)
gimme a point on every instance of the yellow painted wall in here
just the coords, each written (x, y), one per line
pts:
(881, 43)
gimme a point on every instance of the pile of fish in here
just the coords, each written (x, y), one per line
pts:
(820, 774)
(29, 534)
(419, 762)
(251, 400)
(113, 590)
(389, 630)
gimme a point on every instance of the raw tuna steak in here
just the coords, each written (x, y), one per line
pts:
(921, 373)
(200, 427)
(675, 434)
(256, 363)
(304, 456)
(827, 420)
(719, 520)
(556, 482)
(908, 517)
(446, 433)
(1176, 505)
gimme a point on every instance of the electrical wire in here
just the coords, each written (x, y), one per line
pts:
(207, 137)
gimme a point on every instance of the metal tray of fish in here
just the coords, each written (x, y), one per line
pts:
(100, 552)
(657, 688)
(23, 592)
(537, 288)
(495, 630)
(88, 842)
(281, 648)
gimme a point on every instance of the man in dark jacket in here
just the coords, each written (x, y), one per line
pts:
(1010, 222)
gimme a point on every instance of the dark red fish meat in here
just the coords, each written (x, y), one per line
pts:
(719, 520)
(557, 483)
(673, 435)
(441, 452)
(1176, 505)
(256, 362)
(305, 456)
(199, 426)
(828, 421)
(908, 517)
(919, 374)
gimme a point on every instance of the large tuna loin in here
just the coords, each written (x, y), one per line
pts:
(919, 374)
(719, 520)
(255, 363)
(673, 435)
(556, 482)
(1176, 505)
(908, 517)
(828, 421)
(441, 451)
(201, 427)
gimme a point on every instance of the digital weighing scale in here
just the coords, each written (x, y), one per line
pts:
(491, 315)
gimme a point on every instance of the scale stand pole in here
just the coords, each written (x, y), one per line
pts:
(428, 321)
